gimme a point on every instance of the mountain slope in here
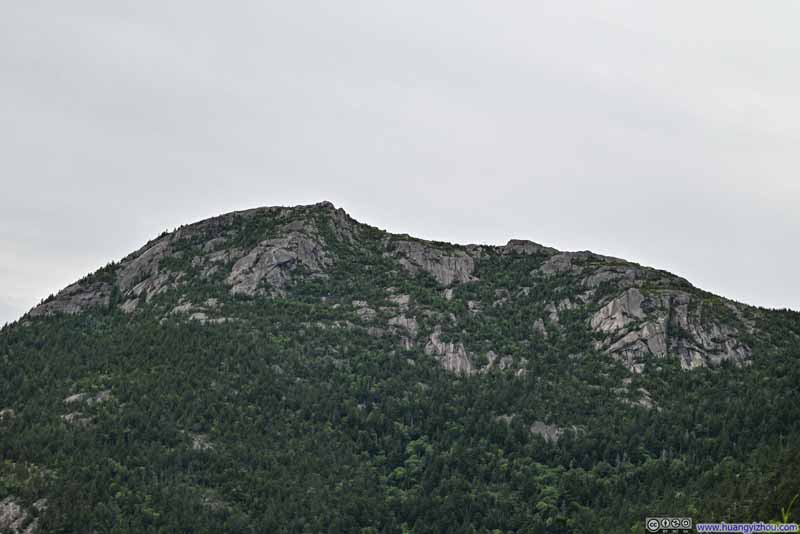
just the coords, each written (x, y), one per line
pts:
(280, 252)
(294, 370)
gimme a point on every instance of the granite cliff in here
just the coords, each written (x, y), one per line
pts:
(632, 312)
(290, 369)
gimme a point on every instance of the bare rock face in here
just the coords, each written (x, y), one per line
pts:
(200, 313)
(89, 399)
(452, 356)
(364, 312)
(143, 265)
(667, 323)
(445, 267)
(539, 327)
(200, 442)
(622, 275)
(529, 248)
(495, 361)
(554, 309)
(12, 515)
(75, 298)
(595, 270)
(550, 433)
(409, 324)
(633, 311)
(272, 261)
(620, 312)
(373, 331)
(143, 275)
(401, 300)
(77, 419)
(566, 262)
(137, 276)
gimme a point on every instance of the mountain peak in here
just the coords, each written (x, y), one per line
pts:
(250, 371)
(632, 312)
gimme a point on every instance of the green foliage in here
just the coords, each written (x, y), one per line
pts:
(292, 418)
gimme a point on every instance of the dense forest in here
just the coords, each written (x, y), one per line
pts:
(294, 371)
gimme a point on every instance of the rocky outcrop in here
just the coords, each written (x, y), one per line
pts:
(554, 309)
(635, 311)
(409, 324)
(88, 399)
(666, 323)
(452, 356)
(186, 309)
(77, 419)
(526, 248)
(142, 266)
(445, 266)
(495, 361)
(594, 270)
(75, 298)
(364, 311)
(200, 442)
(539, 328)
(78, 400)
(7, 415)
(645, 400)
(271, 262)
(142, 275)
(400, 300)
(565, 262)
(550, 433)
(619, 313)
(137, 278)
(505, 363)
(622, 275)
(15, 519)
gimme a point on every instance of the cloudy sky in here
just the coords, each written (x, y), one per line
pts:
(667, 133)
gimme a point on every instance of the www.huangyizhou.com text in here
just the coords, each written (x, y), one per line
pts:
(747, 528)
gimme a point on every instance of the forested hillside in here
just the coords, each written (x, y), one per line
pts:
(291, 370)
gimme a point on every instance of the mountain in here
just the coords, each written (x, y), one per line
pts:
(289, 369)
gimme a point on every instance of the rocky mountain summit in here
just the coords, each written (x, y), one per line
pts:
(630, 312)
(292, 370)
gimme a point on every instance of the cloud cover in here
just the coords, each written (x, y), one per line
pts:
(662, 133)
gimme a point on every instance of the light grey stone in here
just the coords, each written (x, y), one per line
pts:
(409, 324)
(445, 266)
(272, 261)
(452, 356)
(550, 433)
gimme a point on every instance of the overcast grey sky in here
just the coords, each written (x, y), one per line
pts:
(667, 133)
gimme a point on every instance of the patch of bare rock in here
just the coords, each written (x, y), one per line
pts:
(662, 323)
(446, 266)
(453, 356)
(200, 313)
(14, 518)
(551, 433)
(78, 418)
(271, 262)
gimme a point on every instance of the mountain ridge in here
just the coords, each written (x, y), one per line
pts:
(289, 369)
(291, 238)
